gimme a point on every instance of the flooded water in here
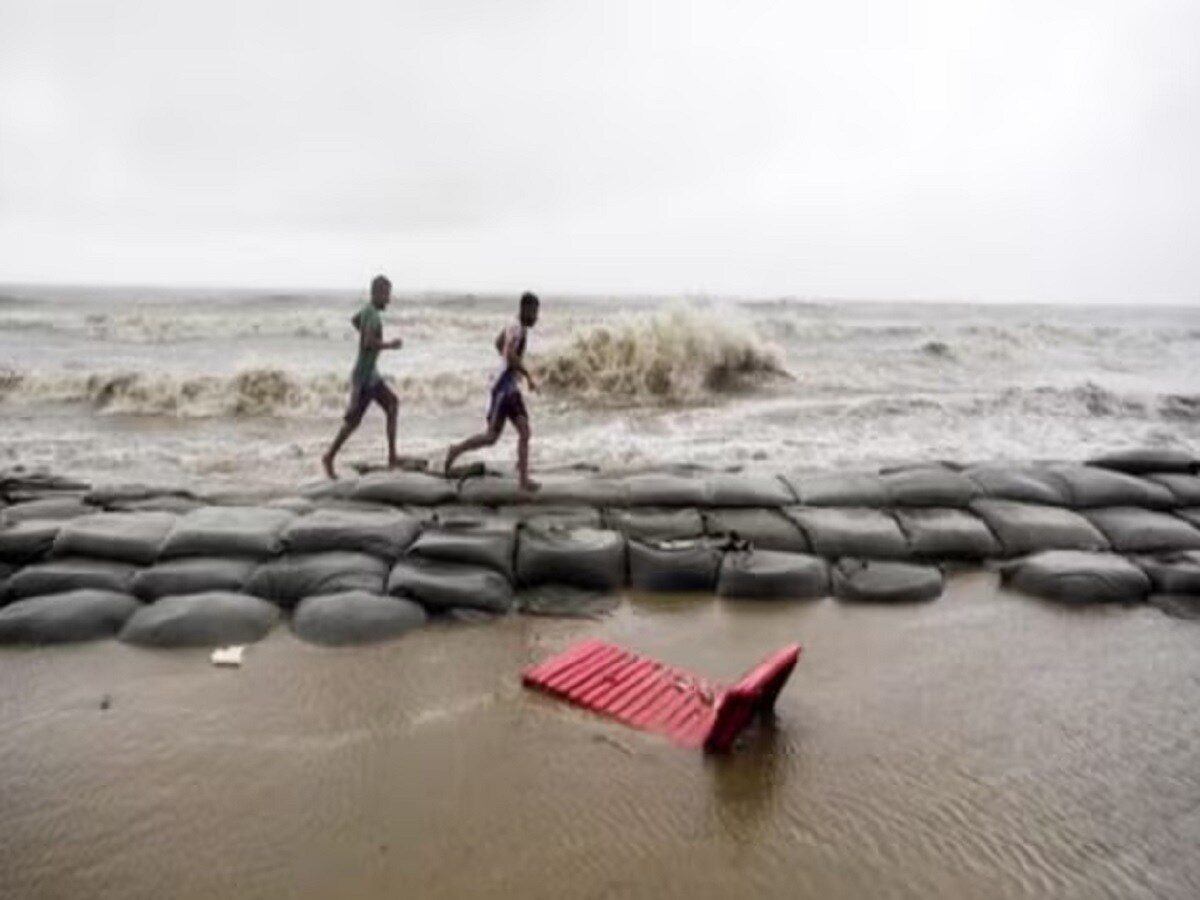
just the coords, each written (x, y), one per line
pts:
(984, 745)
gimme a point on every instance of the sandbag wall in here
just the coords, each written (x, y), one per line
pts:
(372, 558)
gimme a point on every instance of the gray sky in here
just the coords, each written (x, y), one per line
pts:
(1011, 150)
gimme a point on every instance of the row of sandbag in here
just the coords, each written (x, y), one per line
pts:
(1170, 581)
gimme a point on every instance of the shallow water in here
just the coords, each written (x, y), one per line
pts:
(984, 745)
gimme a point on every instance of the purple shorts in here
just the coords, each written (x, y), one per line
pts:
(506, 406)
(362, 395)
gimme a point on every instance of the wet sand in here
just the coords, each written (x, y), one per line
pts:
(983, 745)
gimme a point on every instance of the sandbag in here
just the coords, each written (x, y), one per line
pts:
(566, 601)
(581, 491)
(28, 541)
(53, 509)
(81, 615)
(404, 488)
(492, 544)
(1087, 487)
(1024, 484)
(1180, 606)
(301, 506)
(929, 486)
(355, 617)
(872, 581)
(494, 490)
(666, 490)
(254, 495)
(862, 489)
(451, 515)
(771, 575)
(228, 531)
(210, 619)
(126, 537)
(537, 516)
(1173, 573)
(748, 491)
(582, 557)
(656, 524)
(835, 531)
(1147, 460)
(1185, 488)
(946, 534)
(1074, 576)
(168, 503)
(194, 575)
(59, 576)
(674, 566)
(1135, 530)
(114, 495)
(443, 586)
(289, 579)
(763, 529)
(1028, 528)
(1191, 515)
(383, 534)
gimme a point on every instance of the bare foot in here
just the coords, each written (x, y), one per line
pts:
(327, 464)
(529, 486)
(451, 456)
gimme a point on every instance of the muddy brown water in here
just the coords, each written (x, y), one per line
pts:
(985, 745)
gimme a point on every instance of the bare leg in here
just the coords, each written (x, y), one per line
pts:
(343, 435)
(392, 410)
(523, 434)
(483, 439)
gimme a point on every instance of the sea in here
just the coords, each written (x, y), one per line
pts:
(187, 386)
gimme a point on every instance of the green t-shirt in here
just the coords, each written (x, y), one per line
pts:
(369, 323)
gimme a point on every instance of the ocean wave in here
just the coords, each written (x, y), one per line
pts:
(679, 355)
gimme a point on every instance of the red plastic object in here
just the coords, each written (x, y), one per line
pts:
(652, 696)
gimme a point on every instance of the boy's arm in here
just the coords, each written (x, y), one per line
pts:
(513, 359)
(372, 339)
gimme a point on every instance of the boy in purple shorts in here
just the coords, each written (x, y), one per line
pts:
(366, 384)
(506, 403)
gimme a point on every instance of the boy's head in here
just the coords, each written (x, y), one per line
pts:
(529, 309)
(381, 291)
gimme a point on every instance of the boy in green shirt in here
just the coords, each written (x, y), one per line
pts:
(366, 384)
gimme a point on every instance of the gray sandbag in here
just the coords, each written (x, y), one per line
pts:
(1024, 484)
(771, 575)
(946, 534)
(1190, 515)
(240, 494)
(1185, 488)
(674, 567)
(656, 524)
(194, 575)
(81, 615)
(1147, 460)
(57, 509)
(28, 541)
(290, 578)
(452, 515)
(491, 544)
(1087, 487)
(929, 486)
(1028, 527)
(583, 491)
(111, 496)
(655, 489)
(863, 489)
(835, 531)
(168, 503)
(301, 506)
(1136, 530)
(565, 601)
(59, 576)
(1074, 576)
(133, 537)
(872, 581)
(1173, 573)
(733, 490)
(444, 586)
(537, 516)
(355, 617)
(763, 529)
(582, 557)
(228, 531)
(404, 489)
(1179, 606)
(386, 534)
(210, 619)
(493, 490)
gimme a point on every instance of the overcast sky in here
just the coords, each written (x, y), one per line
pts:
(1010, 150)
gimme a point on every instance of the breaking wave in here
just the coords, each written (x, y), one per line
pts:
(679, 355)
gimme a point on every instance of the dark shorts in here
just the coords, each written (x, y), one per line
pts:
(361, 397)
(506, 406)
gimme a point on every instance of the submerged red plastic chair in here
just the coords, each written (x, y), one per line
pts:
(652, 696)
